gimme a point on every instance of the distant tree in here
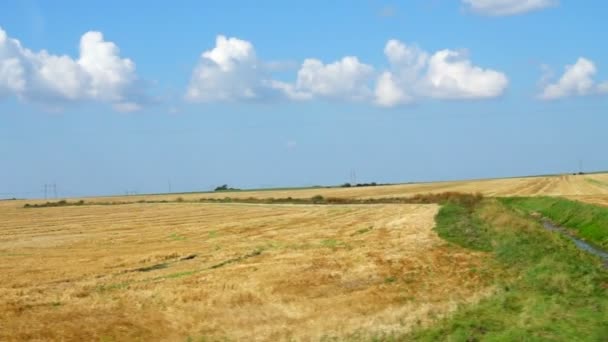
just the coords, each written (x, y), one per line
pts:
(225, 187)
(222, 188)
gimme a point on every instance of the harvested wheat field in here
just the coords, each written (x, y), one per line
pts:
(233, 271)
(592, 186)
(241, 272)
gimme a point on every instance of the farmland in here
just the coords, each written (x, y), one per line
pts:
(593, 187)
(189, 270)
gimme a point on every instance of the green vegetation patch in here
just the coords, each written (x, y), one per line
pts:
(589, 222)
(332, 243)
(546, 288)
(390, 280)
(177, 237)
(458, 224)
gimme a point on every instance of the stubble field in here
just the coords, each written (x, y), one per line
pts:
(179, 271)
(591, 186)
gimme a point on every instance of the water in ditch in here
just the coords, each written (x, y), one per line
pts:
(578, 242)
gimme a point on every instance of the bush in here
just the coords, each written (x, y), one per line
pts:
(317, 199)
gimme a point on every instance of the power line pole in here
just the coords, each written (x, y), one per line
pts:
(50, 188)
(169, 181)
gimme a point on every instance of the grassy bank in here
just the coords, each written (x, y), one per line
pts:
(457, 222)
(590, 222)
(546, 289)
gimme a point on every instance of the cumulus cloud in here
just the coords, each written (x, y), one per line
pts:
(577, 80)
(99, 74)
(388, 93)
(228, 72)
(446, 74)
(231, 71)
(507, 7)
(451, 75)
(346, 79)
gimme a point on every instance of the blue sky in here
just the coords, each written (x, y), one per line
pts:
(130, 97)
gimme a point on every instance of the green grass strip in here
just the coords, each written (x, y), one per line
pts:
(546, 288)
(589, 222)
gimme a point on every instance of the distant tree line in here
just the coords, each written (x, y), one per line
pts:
(225, 187)
(348, 185)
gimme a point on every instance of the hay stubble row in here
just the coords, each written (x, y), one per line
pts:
(261, 272)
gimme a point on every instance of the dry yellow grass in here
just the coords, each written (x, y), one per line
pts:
(562, 185)
(167, 271)
(260, 272)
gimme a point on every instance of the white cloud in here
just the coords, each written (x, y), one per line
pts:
(231, 71)
(346, 79)
(410, 57)
(507, 7)
(451, 76)
(99, 74)
(388, 93)
(577, 80)
(12, 78)
(228, 72)
(289, 90)
(446, 74)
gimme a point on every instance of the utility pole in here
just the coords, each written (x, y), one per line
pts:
(50, 188)
(169, 181)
